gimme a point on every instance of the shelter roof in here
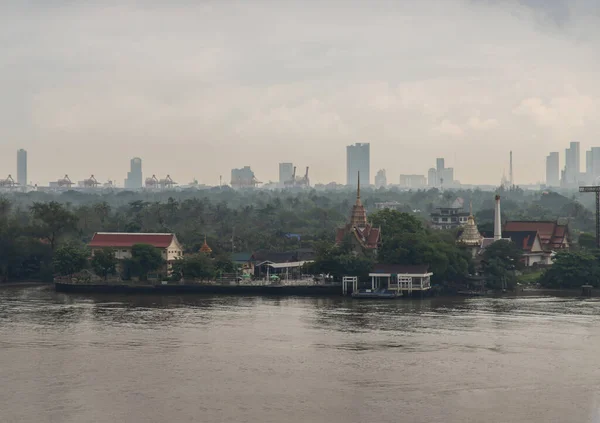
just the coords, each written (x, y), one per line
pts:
(399, 269)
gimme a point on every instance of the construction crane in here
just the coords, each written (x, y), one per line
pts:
(297, 181)
(291, 182)
(167, 183)
(65, 182)
(91, 182)
(151, 182)
(305, 181)
(9, 182)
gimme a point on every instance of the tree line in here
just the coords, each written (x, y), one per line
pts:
(35, 226)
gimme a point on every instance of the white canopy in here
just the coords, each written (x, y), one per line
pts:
(287, 265)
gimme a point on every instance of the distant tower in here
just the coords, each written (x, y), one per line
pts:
(22, 167)
(358, 159)
(286, 173)
(512, 181)
(134, 176)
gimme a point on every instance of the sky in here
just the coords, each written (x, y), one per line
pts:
(196, 88)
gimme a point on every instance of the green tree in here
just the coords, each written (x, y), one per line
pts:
(145, 259)
(587, 241)
(500, 261)
(223, 264)
(196, 266)
(571, 269)
(70, 259)
(337, 261)
(104, 262)
(53, 221)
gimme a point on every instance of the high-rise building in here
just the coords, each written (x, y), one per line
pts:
(380, 179)
(439, 165)
(441, 176)
(592, 165)
(447, 176)
(22, 167)
(243, 178)
(413, 181)
(286, 172)
(134, 176)
(358, 159)
(589, 171)
(552, 170)
(432, 181)
(572, 165)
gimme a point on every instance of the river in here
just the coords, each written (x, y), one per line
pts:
(68, 358)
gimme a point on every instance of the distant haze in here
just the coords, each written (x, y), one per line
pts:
(195, 88)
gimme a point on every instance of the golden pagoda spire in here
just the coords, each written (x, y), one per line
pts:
(358, 187)
(470, 208)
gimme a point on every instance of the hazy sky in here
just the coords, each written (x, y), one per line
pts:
(198, 87)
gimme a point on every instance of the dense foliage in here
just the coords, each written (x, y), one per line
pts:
(571, 269)
(408, 241)
(500, 262)
(34, 226)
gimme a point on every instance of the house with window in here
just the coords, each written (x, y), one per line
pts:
(451, 217)
(531, 247)
(122, 243)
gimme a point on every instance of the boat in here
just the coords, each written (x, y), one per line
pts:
(380, 294)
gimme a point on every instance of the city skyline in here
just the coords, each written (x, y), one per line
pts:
(250, 83)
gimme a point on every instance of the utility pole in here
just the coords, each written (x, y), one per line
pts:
(596, 190)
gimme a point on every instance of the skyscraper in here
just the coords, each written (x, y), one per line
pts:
(439, 165)
(572, 165)
(592, 165)
(380, 179)
(286, 171)
(552, 170)
(22, 167)
(358, 159)
(432, 181)
(134, 176)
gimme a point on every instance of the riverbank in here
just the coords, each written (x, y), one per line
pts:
(24, 284)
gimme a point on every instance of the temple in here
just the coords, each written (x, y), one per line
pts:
(364, 237)
(205, 249)
(470, 238)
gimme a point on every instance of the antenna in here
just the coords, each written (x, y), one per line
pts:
(512, 182)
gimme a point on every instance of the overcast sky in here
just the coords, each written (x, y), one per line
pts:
(197, 87)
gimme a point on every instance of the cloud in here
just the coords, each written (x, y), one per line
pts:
(478, 124)
(446, 127)
(560, 112)
(257, 82)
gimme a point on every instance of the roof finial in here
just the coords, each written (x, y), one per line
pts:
(471, 208)
(358, 187)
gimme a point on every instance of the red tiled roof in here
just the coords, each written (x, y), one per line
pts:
(551, 233)
(120, 240)
(523, 239)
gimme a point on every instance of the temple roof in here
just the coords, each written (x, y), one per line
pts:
(368, 236)
(205, 248)
(470, 234)
(358, 218)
